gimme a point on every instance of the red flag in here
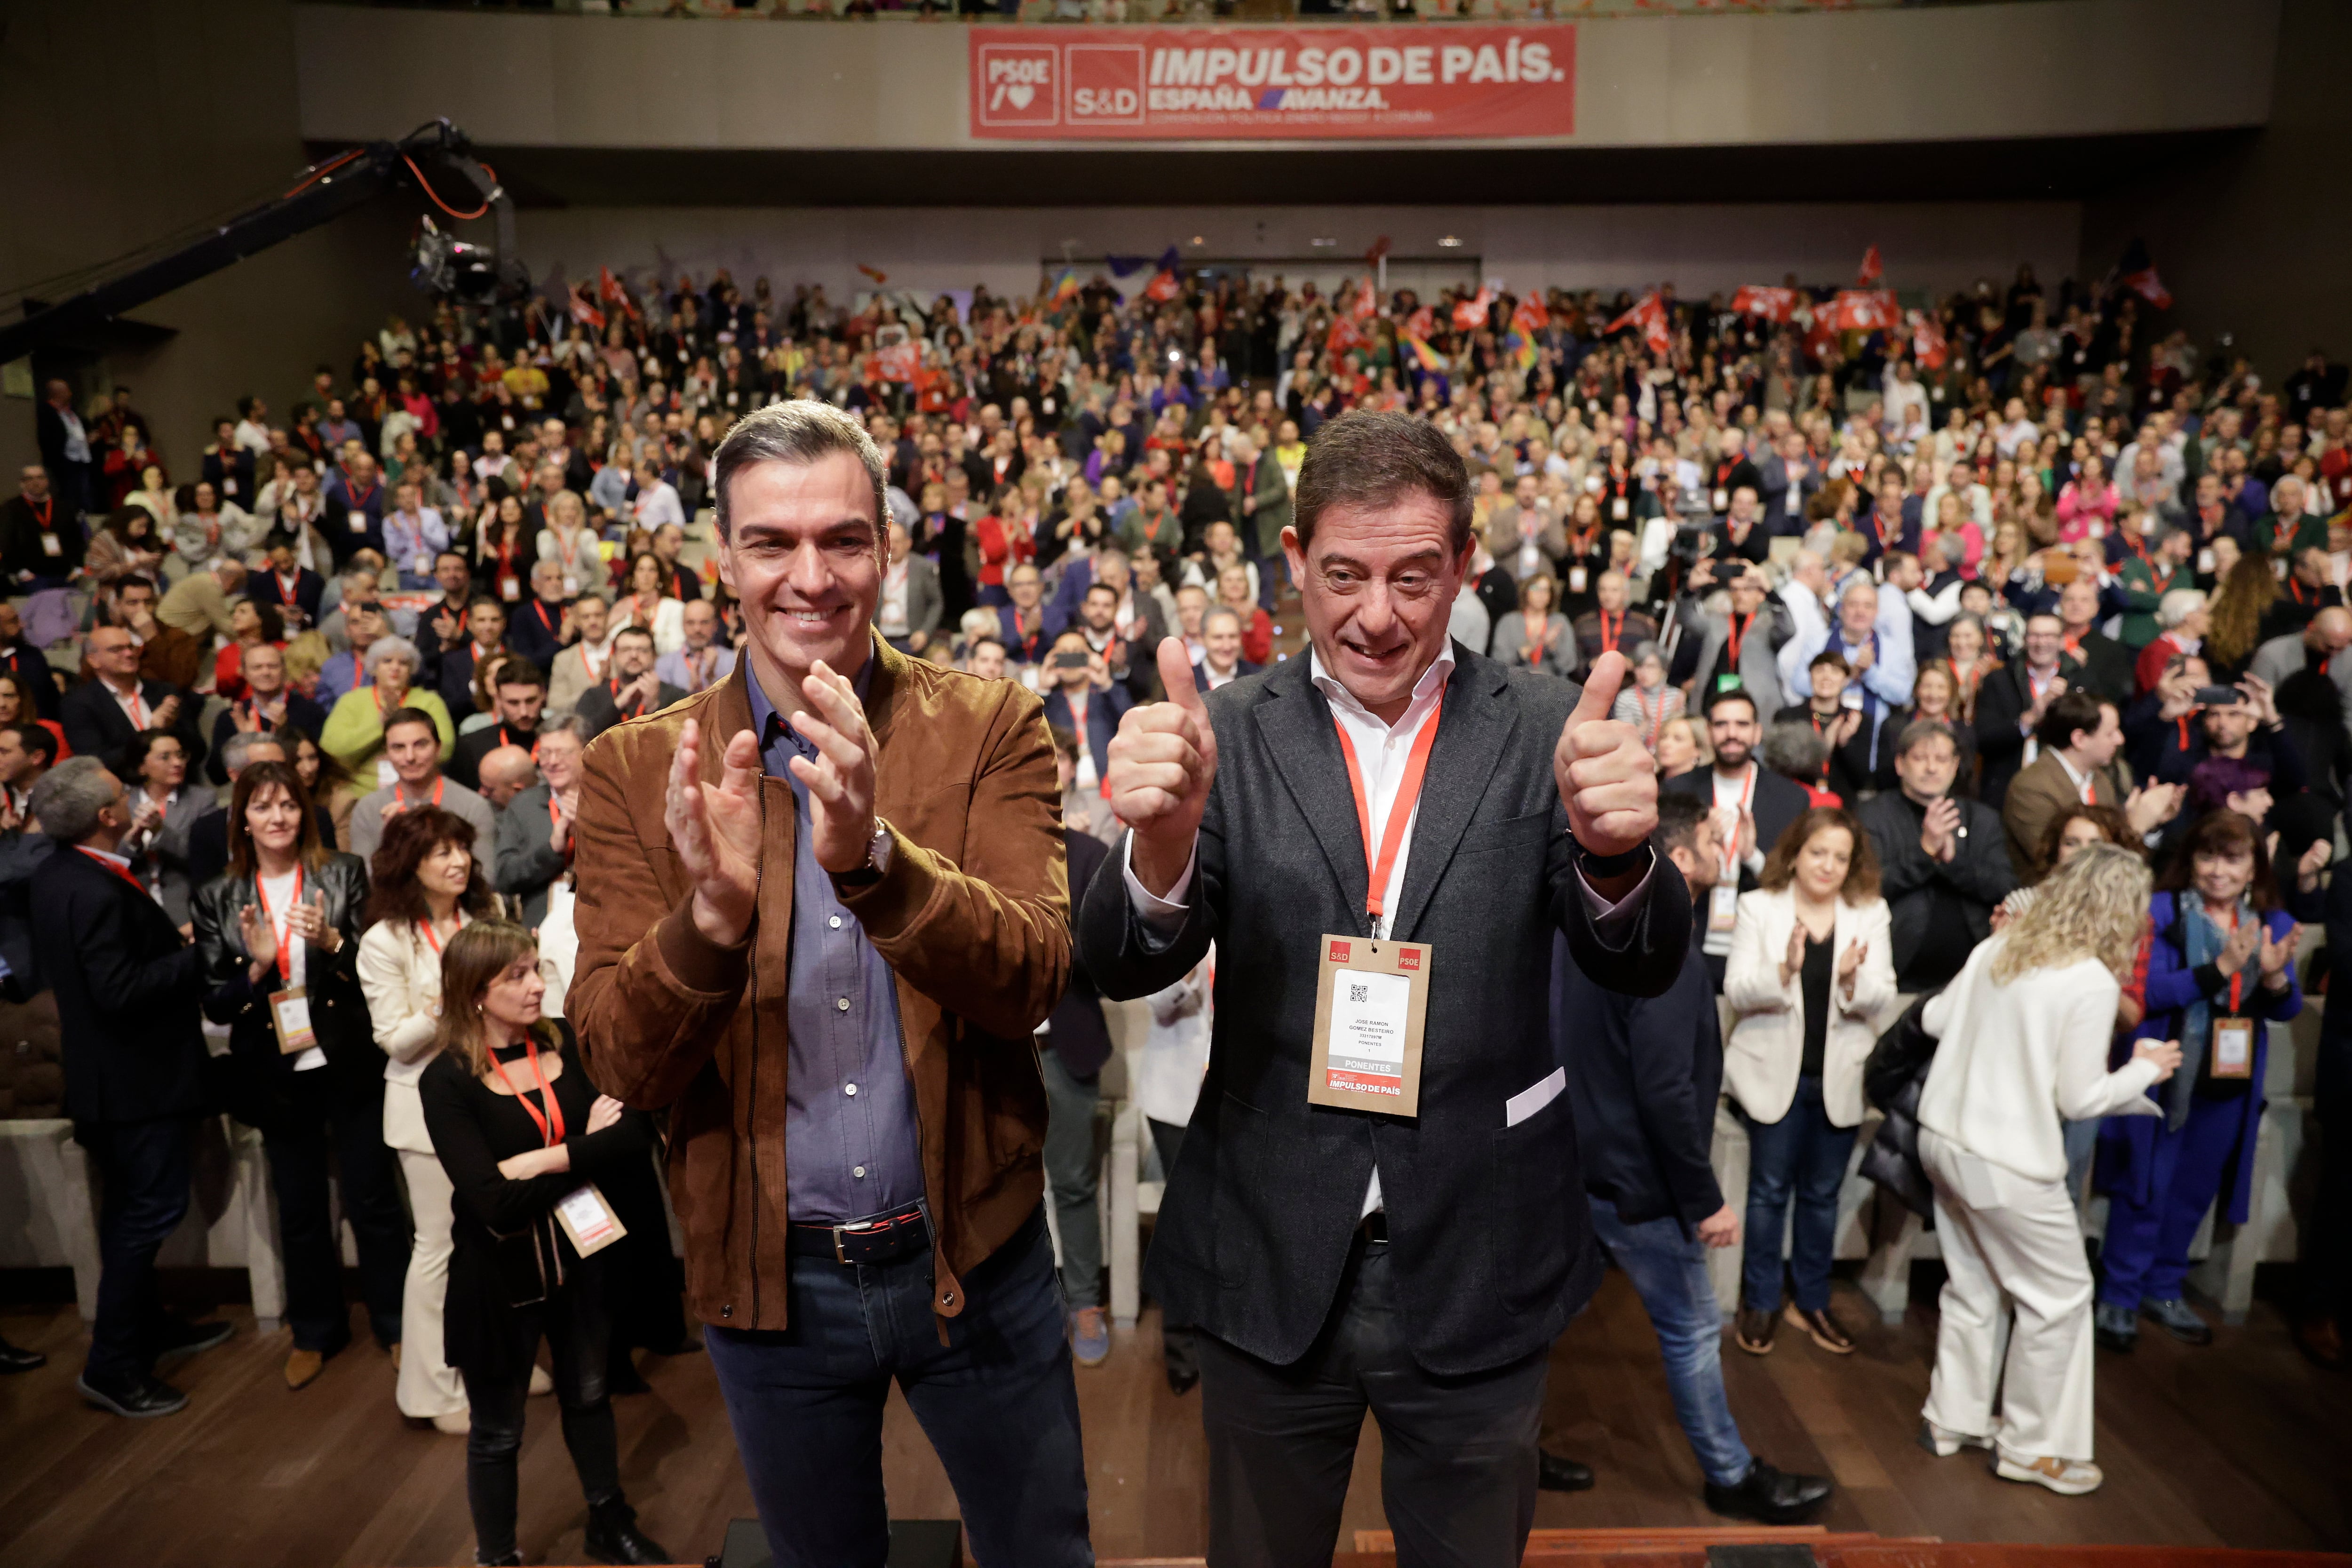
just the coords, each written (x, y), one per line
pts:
(1927, 345)
(1421, 323)
(1531, 318)
(1471, 314)
(1759, 299)
(1864, 311)
(613, 293)
(879, 276)
(1163, 287)
(1344, 336)
(2149, 287)
(583, 312)
(1871, 269)
(1649, 313)
(1367, 302)
(1380, 248)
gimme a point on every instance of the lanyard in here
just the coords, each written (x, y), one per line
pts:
(124, 872)
(1651, 723)
(135, 706)
(48, 509)
(399, 803)
(1399, 812)
(1607, 636)
(431, 937)
(550, 1126)
(1746, 793)
(2237, 980)
(284, 959)
(1740, 625)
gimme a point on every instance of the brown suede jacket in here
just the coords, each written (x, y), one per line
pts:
(972, 918)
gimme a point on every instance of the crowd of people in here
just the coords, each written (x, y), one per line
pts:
(1915, 620)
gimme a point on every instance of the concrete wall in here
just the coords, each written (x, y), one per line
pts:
(136, 119)
(2041, 68)
(1698, 248)
(2250, 239)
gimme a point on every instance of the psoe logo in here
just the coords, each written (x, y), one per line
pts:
(1016, 85)
(1106, 84)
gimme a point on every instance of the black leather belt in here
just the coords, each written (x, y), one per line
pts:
(883, 1239)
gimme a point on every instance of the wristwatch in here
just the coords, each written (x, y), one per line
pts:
(878, 859)
(1606, 866)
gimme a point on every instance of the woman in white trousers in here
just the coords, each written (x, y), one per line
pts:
(2024, 1035)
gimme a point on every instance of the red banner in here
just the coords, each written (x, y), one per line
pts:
(1773, 304)
(1163, 84)
(1864, 311)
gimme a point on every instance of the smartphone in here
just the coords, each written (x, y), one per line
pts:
(2219, 697)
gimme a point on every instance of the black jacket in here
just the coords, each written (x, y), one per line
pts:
(127, 990)
(1979, 873)
(96, 725)
(303, 716)
(598, 713)
(1489, 1236)
(1645, 1114)
(2004, 699)
(1076, 1029)
(337, 1009)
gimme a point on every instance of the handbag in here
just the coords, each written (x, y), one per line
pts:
(1892, 1078)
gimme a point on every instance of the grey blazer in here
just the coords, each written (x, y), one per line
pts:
(1511, 638)
(1759, 669)
(1487, 1224)
(526, 863)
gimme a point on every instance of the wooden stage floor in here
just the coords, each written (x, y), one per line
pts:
(2241, 1445)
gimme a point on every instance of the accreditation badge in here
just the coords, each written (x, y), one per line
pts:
(1371, 998)
(588, 1221)
(290, 1010)
(1723, 907)
(2233, 1047)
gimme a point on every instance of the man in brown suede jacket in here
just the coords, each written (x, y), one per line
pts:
(822, 909)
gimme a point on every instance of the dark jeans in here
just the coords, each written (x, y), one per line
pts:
(2326, 1272)
(997, 1400)
(142, 1171)
(576, 1326)
(1175, 1339)
(1072, 1170)
(1801, 1158)
(1457, 1453)
(331, 1120)
(1667, 1266)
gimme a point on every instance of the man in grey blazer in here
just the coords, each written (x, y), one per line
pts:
(908, 613)
(1339, 1260)
(1738, 647)
(533, 850)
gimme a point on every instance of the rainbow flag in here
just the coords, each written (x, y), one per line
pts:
(1522, 350)
(1424, 357)
(1065, 287)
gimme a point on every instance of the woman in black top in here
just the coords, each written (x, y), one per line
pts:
(521, 1130)
(286, 918)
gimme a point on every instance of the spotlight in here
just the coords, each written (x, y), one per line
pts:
(1450, 241)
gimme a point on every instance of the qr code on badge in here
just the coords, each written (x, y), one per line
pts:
(1360, 992)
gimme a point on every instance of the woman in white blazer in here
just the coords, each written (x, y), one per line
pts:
(1810, 972)
(2022, 1037)
(426, 884)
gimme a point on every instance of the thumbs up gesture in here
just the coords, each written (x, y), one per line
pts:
(1607, 779)
(1162, 761)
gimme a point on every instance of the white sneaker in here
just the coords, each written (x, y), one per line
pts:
(1944, 1443)
(2067, 1478)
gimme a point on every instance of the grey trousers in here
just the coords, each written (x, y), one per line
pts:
(1072, 1171)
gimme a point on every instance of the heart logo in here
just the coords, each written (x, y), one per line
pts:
(1020, 92)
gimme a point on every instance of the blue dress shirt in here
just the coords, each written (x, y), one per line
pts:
(850, 1137)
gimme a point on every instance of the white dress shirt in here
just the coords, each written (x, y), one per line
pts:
(1382, 751)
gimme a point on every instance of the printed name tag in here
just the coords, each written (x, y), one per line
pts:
(1575, 577)
(359, 523)
(1723, 905)
(1620, 508)
(52, 545)
(2233, 1047)
(291, 1011)
(1722, 499)
(588, 1221)
(1369, 1004)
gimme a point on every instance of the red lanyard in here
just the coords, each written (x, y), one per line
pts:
(550, 1126)
(1740, 625)
(284, 959)
(431, 937)
(2296, 590)
(398, 803)
(48, 510)
(1399, 812)
(2237, 980)
(1747, 793)
(1609, 637)
(1651, 724)
(121, 871)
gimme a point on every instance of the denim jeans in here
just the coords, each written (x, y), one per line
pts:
(1073, 1172)
(1799, 1157)
(1668, 1268)
(997, 1401)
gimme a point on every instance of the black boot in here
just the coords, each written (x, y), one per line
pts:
(1769, 1495)
(1558, 1473)
(614, 1535)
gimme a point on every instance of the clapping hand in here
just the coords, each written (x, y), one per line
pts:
(2240, 947)
(260, 941)
(2277, 955)
(1848, 723)
(1850, 965)
(2153, 805)
(715, 827)
(1792, 963)
(840, 781)
(1939, 831)
(2315, 860)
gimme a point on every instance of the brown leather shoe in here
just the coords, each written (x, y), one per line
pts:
(303, 1367)
(2322, 1340)
(1823, 1328)
(1752, 1331)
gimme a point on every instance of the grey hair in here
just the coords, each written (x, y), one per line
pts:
(798, 432)
(393, 647)
(568, 724)
(1794, 750)
(70, 796)
(1213, 611)
(241, 746)
(2177, 606)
